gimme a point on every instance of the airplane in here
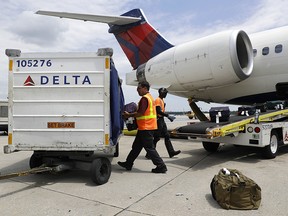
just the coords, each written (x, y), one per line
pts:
(228, 67)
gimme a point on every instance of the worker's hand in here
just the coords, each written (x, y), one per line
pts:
(125, 115)
(171, 118)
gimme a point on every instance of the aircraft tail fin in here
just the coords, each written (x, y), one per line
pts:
(139, 41)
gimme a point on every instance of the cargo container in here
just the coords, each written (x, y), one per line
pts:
(66, 108)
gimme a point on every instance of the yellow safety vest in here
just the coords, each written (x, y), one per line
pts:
(148, 121)
(160, 102)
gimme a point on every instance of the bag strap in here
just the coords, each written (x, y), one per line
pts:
(241, 180)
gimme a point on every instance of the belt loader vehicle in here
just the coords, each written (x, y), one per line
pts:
(266, 131)
(66, 108)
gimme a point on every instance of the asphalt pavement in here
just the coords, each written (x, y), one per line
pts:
(183, 190)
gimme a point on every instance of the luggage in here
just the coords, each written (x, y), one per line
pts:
(131, 122)
(246, 110)
(222, 112)
(233, 190)
(276, 105)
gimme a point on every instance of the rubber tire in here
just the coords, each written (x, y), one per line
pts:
(100, 170)
(35, 160)
(271, 150)
(210, 146)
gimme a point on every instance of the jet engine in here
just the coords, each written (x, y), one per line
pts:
(213, 61)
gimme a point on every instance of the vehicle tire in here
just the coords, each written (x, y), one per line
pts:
(210, 146)
(271, 150)
(36, 160)
(100, 170)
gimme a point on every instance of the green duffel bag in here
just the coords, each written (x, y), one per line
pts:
(233, 190)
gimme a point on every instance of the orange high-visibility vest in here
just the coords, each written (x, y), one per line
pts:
(160, 102)
(148, 121)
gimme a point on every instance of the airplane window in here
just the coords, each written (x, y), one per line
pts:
(254, 52)
(278, 48)
(265, 51)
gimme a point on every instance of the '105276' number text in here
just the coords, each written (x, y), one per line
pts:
(34, 63)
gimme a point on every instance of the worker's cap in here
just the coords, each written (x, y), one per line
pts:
(162, 91)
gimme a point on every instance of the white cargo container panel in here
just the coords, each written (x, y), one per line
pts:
(59, 102)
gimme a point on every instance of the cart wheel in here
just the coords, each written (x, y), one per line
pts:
(100, 170)
(35, 161)
(210, 146)
(271, 150)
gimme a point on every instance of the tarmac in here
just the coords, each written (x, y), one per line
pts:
(183, 190)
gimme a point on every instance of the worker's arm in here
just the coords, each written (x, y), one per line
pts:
(143, 104)
(135, 114)
(159, 111)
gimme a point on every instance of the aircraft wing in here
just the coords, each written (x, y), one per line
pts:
(113, 20)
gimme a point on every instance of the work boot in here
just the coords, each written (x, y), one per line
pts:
(172, 154)
(170, 148)
(160, 169)
(125, 165)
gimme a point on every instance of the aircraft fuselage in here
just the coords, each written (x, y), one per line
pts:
(270, 59)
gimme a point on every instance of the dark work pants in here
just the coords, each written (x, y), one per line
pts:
(162, 131)
(144, 139)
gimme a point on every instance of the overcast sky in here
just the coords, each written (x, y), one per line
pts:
(178, 21)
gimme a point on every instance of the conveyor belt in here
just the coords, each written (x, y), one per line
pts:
(201, 127)
(212, 130)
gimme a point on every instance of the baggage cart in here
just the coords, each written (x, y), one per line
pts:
(66, 108)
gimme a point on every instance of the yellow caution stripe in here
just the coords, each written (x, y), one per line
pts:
(238, 126)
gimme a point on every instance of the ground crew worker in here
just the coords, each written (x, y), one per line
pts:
(147, 125)
(162, 127)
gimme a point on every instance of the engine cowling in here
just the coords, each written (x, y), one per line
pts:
(213, 61)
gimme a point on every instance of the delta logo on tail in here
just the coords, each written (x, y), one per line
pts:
(29, 82)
